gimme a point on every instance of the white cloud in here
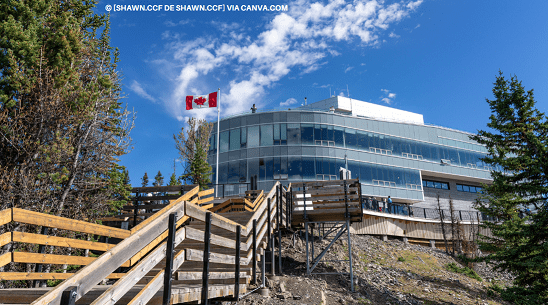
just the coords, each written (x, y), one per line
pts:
(348, 69)
(288, 102)
(170, 23)
(388, 97)
(137, 88)
(298, 41)
(394, 35)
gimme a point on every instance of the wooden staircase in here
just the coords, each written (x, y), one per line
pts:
(206, 251)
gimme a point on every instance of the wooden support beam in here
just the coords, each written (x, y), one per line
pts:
(6, 216)
(155, 242)
(5, 239)
(219, 221)
(40, 219)
(47, 240)
(157, 282)
(39, 258)
(92, 274)
(23, 276)
(206, 192)
(5, 259)
(198, 235)
(190, 275)
(172, 203)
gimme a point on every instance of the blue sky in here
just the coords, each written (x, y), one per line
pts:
(437, 58)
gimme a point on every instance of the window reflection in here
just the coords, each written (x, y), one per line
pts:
(253, 136)
(335, 136)
(223, 141)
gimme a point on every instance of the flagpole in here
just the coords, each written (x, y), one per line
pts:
(218, 151)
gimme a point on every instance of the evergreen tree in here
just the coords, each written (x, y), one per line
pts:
(173, 180)
(200, 170)
(518, 148)
(144, 180)
(158, 179)
(62, 125)
(193, 147)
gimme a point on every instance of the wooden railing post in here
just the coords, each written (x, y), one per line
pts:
(205, 273)
(237, 271)
(254, 258)
(168, 271)
(69, 296)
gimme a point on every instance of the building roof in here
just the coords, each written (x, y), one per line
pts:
(364, 109)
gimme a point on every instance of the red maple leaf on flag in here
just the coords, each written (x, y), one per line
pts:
(200, 101)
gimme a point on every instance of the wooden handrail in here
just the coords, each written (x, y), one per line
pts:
(141, 248)
(40, 219)
(100, 268)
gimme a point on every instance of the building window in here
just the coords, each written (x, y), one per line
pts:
(267, 135)
(243, 138)
(280, 134)
(235, 139)
(435, 184)
(253, 137)
(224, 141)
(469, 188)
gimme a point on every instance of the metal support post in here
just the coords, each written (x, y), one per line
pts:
(350, 255)
(307, 258)
(237, 271)
(305, 217)
(135, 210)
(169, 258)
(263, 269)
(254, 250)
(69, 296)
(291, 205)
(269, 244)
(312, 243)
(268, 223)
(287, 207)
(346, 213)
(205, 273)
(279, 252)
(41, 249)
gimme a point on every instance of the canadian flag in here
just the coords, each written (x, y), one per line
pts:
(201, 101)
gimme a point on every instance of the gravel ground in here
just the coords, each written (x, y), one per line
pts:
(388, 272)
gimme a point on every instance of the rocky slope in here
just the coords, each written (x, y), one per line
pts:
(388, 272)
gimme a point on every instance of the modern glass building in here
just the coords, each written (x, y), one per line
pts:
(391, 151)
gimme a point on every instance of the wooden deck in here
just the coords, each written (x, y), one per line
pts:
(378, 223)
(326, 201)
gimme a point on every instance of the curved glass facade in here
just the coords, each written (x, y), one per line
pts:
(292, 146)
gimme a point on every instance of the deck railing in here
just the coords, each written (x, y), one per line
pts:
(176, 229)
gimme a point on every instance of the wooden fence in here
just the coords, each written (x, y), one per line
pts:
(326, 201)
(195, 236)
